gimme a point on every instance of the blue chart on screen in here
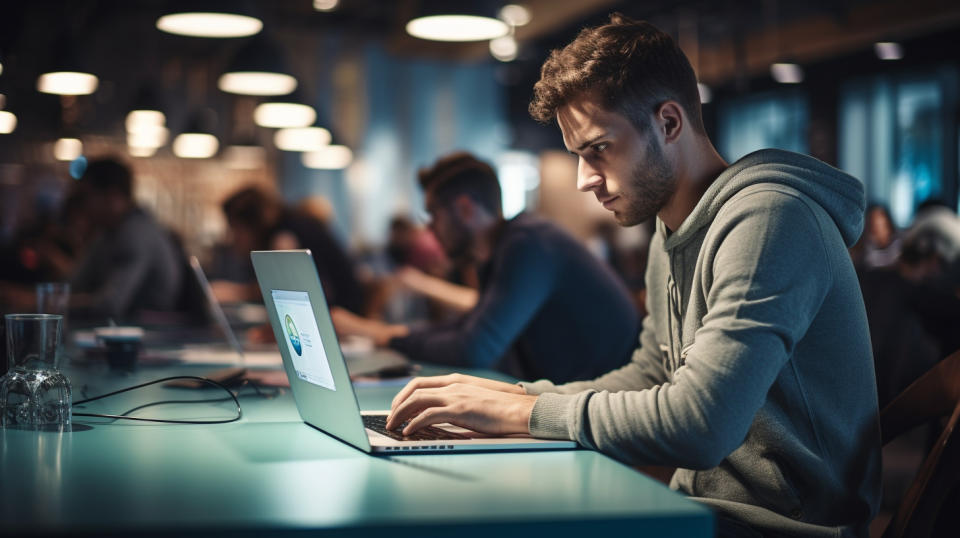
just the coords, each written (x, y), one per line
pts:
(299, 325)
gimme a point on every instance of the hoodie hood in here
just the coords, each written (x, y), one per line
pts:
(840, 194)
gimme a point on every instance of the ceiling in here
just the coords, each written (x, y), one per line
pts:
(728, 42)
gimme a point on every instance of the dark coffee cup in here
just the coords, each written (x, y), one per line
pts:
(121, 346)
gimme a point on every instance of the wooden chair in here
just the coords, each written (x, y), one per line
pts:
(934, 395)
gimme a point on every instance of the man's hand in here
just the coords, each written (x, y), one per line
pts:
(470, 402)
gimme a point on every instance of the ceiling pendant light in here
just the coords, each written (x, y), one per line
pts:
(456, 28)
(209, 24)
(8, 122)
(196, 142)
(257, 69)
(888, 50)
(438, 21)
(302, 138)
(67, 149)
(786, 73)
(64, 74)
(279, 115)
(334, 157)
(67, 83)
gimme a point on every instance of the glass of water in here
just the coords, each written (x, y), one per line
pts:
(34, 392)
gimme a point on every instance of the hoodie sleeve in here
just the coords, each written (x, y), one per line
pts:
(766, 274)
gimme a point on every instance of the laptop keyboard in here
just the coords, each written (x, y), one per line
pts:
(378, 423)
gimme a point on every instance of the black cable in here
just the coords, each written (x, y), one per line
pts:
(166, 421)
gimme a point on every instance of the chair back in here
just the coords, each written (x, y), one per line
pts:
(934, 395)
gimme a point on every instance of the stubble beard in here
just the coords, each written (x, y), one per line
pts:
(652, 185)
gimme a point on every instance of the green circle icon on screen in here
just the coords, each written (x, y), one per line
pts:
(293, 334)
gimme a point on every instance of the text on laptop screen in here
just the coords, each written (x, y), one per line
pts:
(302, 336)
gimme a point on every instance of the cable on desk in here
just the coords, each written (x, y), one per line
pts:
(166, 421)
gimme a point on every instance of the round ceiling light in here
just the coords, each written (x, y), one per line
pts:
(195, 146)
(457, 28)
(67, 83)
(8, 122)
(302, 138)
(504, 48)
(257, 83)
(144, 119)
(67, 149)
(209, 24)
(334, 157)
(280, 115)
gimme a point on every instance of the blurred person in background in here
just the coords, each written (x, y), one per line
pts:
(880, 244)
(912, 306)
(133, 265)
(259, 221)
(546, 307)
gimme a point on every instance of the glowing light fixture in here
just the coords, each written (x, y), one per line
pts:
(515, 15)
(245, 157)
(706, 95)
(302, 138)
(138, 120)
(888, 50)
(787, 73)
(67, 83)
(457, 28)
(504, 48)
(325, 5)
(8, 122)
(67, 149)
(195, 145)
(257, 83)
(218, 25)
(328, 158)
(280, 115)
(257, 69)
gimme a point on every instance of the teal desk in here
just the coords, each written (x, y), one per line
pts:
(270, 473)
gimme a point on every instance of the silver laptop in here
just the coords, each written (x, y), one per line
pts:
(318, 375)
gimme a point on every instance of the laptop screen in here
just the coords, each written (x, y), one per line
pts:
(303, 337)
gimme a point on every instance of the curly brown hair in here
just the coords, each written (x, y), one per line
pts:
(632, 65)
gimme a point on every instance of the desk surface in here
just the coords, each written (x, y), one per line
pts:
(270, 471)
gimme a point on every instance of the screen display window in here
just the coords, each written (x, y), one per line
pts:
(302, 337)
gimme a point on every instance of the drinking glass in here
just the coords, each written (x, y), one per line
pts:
(34, 392)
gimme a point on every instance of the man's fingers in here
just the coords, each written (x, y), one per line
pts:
(420, 383)
(415, 404)
(433, 415)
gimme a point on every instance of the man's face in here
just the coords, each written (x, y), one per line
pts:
(450, 231)
(626, 169)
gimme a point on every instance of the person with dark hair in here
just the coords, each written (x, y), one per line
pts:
(545, 308)
(133, 265)
(258, 221)
(754, 375)
(879, 246)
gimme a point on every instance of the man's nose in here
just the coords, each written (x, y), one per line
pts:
(588, 177)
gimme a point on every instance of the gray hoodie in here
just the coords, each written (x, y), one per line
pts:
(754, 374)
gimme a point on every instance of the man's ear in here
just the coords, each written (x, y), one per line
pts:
(670, 120)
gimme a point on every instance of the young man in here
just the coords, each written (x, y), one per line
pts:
(546, 307)
(754, 374)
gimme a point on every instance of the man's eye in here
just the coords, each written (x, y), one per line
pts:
(599, 148)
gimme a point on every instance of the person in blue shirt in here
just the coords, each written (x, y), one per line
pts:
(546, 307)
